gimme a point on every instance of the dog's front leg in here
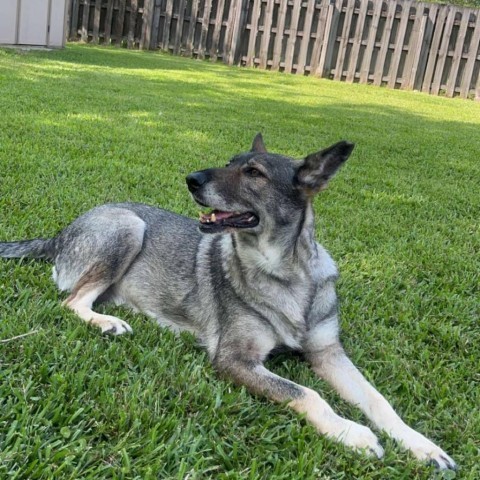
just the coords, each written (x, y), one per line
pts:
(303, 400)
(332, 364)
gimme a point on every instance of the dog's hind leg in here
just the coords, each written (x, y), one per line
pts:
(96, 251)
(90, 286)
(331, 363)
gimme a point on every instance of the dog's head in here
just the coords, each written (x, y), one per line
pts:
(257, 190)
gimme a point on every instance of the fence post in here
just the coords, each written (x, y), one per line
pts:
(238, 18)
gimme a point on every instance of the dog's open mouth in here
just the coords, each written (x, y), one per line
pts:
(216, 221)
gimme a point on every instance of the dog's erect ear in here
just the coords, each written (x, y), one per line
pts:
(318, 168)
(258, 145)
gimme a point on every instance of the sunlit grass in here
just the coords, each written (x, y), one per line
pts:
(84, 126)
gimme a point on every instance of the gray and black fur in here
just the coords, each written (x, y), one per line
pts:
(251, 279)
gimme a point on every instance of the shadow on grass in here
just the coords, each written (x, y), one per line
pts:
(151, 129)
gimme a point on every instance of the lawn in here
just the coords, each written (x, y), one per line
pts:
(84, 126)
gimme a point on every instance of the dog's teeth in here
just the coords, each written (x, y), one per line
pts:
(213, 217)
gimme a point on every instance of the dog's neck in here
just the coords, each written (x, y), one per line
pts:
(278, 251)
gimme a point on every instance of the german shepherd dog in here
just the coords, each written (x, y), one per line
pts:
(246, 280)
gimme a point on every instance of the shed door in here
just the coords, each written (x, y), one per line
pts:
(33, 26)
(8, 21)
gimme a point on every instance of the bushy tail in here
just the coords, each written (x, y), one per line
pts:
(38, 248)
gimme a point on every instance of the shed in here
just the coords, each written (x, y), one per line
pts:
(33, 22)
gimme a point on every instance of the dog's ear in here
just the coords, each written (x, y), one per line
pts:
(258, 145)
(318, 168)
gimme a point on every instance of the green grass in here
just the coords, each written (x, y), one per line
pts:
(85, 125)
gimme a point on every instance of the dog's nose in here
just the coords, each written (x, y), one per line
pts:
(195, 180)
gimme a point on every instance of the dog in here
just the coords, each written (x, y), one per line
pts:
(247, 279)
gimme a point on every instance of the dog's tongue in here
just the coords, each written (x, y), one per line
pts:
(215, 216)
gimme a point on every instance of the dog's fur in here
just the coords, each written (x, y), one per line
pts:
(260, 283)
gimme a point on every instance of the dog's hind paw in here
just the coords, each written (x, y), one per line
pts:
(113, 325)
(360, 438)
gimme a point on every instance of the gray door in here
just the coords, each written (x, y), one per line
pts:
(33, 28)
(8, 21)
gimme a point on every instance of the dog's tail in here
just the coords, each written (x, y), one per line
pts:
(37, 248)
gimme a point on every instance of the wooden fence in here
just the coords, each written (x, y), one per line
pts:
(399, 43)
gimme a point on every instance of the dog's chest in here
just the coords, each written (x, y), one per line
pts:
(285, 305)
(282, 300)
(279, 290)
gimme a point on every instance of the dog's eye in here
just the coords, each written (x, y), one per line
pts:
(253, 172)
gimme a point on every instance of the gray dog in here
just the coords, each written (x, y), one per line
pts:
(259, 283)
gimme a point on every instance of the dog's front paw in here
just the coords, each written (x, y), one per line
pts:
(359, 437)
(427, 451)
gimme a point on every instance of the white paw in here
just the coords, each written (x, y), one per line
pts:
(359, 437)
(425, 450)
(114, 326)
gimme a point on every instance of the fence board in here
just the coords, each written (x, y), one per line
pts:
(423, 47)
(267, 31)
(253, 33)
(292, 37)
(108, 23)
(342, 49)
(277, 48)
(442, 53)
(318, 44)
(357, 41)
(325, 64)
(420, 55)
(382, 56)
(239, 16)
(216, 31)
(164, 43)
(457, 54)
(432, 56)
(306, 35)
(472, 55)
(397, 53)
(202, 43)
(119, 23)
(414, 46)
(86, 14)
(132, 23)
(96, 21)
(191, 27)
(74, 19)
(180, 22)
(369, 49)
